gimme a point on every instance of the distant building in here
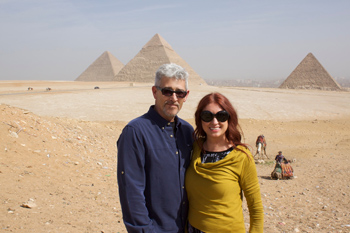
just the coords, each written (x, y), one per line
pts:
(310, 74)
(153, 54)
(104, 68)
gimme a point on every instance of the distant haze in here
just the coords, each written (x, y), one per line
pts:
(272, 83)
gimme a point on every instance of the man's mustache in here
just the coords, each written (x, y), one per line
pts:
(172, 103)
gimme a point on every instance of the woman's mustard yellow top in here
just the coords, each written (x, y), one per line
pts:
(214, 193)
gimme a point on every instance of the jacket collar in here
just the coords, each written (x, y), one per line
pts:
(159, 120)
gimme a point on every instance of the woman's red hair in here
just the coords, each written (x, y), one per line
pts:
(234, 132)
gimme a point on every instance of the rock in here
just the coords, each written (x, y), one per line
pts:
(10, 211)
(14, 134)
(29, 204)
(49, 222)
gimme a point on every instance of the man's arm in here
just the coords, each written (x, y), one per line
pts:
(132, 182)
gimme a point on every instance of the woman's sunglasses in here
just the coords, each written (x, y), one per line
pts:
(221, 116)
(169, 92)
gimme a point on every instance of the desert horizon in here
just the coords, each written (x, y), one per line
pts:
(58, 153)
(119, 97)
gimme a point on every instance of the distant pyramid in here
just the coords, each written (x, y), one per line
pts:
(104, 68)
(156, 52)
(310, 74)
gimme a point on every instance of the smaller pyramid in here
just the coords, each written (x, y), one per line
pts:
(154, 53)
(310, 74)
(104, 68)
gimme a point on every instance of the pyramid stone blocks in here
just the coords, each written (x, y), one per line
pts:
(104, 68)
(154, 53)
(310, 74)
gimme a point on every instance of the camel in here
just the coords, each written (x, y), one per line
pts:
(282, 170)
(261, 147)
(276, 174)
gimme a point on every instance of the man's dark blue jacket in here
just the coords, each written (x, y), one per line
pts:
(153, 155)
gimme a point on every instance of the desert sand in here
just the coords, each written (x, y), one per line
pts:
(58, 153)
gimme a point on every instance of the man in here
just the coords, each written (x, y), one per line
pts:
(279, 157)
(283, 168)
(153, 154)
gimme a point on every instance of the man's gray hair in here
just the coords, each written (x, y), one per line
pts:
(171, 71)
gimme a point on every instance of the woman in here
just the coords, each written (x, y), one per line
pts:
(221, 168)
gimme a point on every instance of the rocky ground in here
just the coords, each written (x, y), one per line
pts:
(58, 174)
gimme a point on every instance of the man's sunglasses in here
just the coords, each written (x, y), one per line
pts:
(221, 116)
(169, 92)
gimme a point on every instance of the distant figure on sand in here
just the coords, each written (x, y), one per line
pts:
(282, 169)
(153, 153)
(261, 147)
(279, 157)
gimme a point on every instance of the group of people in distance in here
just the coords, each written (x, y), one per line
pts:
(282, 169)
(173, 178)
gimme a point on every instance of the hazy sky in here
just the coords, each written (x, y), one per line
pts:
(224, 39)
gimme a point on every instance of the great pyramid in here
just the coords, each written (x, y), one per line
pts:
(143, 66)
(104, 68)
(310, 74)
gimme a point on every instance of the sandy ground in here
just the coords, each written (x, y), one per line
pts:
(58, 154)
